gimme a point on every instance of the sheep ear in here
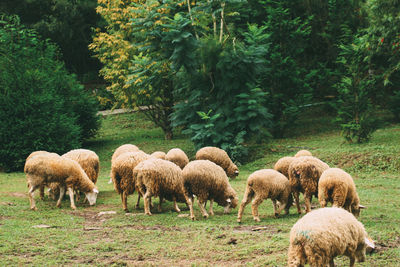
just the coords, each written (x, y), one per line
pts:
(361, 206)
(49, 189)
(369, 242)
(229, 200)
(95, 191)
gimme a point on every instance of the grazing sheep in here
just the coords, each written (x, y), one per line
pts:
(162, 178)
(88, 160)
(219, 157)
(120, 150)
(303, 153)
(178, 157)
(51, 185)
(282, 165)
(44, 169)
(323, 234)
(122, 175)
(336, 186)
(304, 173)
(158, 155)
(264, 184)
(208, 181)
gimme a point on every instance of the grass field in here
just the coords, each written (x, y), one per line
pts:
(83, 237)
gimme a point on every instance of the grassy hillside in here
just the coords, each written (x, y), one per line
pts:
(83, 237)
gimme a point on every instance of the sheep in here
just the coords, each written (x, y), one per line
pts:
(282, 165)
(45, 169)
(325, 233)
(264, 184)
(51, 185)
(122, 175)
(219, 157)
(120, 150)
(304, 173)
(88, 160)
(178, 157)
(162, 178)
(336, 186)
(208, 181)
(158, 154)
(302, 153)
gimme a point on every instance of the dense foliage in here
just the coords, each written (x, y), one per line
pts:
(43, 107)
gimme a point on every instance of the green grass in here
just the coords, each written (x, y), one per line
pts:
(82, 237)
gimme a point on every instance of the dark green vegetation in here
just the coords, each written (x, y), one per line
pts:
(82, 237)
(43, 107)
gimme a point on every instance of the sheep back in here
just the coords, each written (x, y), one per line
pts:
(207, 180)
(162, 177)
(302, 153)
(178, 157)
(282, 165)
(323, 234)
(122, 149)
(219, 157)
(267, 183)
(122, 171)
(158, 155)
(88, 160)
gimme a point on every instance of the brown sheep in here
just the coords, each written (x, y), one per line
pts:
(325, 233)
(51, 185)
(208, 181)
(162, 178)
(264, 184)
(88, 160)
(122, 175)
(44, 169)
(304, 173)
(337, 186)
(302, 153)
(282, 165)
(120, 150)
(178, 157)
(158, 154)
(219, 157)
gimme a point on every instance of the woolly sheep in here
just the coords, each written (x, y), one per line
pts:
(336, 186)
(264, 184)
(120, 150)
(304, 173)
(302, 153)
(122, 175)
(88, 160)
(219, 157)
(162, 178)
(42, 152)
(45, 169)
(178, 157)
(158, 154)
(208, 181)
(325, 233)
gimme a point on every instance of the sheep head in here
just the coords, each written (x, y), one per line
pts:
(92, 196)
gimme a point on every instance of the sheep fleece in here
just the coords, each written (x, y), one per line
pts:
(219, 157)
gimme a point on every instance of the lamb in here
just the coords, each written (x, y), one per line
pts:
(282, 165)
(178, 157)
(336, 186)
(304, 173)
(208, 181)
(325, 233)
(120, 150)
(44, 169)
(264, 184)
(158, 154)
(162, 178)
(122, 175)
(51, 185)
(219, 157)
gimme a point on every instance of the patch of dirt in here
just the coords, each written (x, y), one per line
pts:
(16, 194)
(382, 246)
(154, 228)
(249, 228)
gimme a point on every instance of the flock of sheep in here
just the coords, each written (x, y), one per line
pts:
(316, 238)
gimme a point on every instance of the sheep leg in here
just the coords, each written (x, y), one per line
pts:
(138, 201)
(331, 263)
(71, 197)
(211, 212)
(296, 198)
(307, 201)
(202, 209)
(176, 208)
(159, 204)
(31, 197)
(124, 199)
(61, 196)
(352, 261)
(254, 208)
(42, 192)
(246, 200)
(278, 208)
(146, 199)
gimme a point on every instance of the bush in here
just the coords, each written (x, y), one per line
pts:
(42, 106)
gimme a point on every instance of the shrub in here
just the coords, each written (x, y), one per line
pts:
(42, 106)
